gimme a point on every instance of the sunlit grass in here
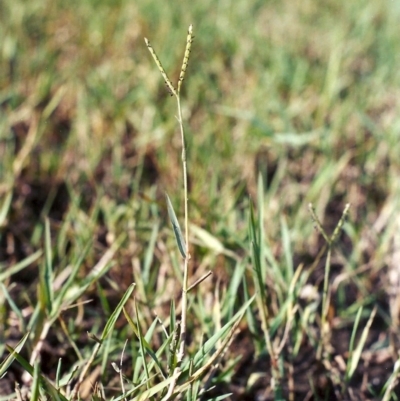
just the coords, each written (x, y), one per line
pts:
(285, 104)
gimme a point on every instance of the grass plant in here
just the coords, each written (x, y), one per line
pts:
(178, 349)
(259, 296)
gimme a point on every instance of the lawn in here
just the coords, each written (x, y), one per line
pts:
(282, 279)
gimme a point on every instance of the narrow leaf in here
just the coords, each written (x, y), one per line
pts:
(356, 355)
(19, 266)
(147, 394)
(44, 383)
(141, 344)
(61, 295)
(10, 359)
(113, 318)
(177, 229)
(46, 272)
(145, 343)
(35, 382)
(209, 345)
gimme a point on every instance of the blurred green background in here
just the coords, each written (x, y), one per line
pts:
(305, 90)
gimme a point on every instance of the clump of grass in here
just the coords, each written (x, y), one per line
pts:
(170, 371)
(317, 118)
(330, 241)
(183, 243)
(183, 246)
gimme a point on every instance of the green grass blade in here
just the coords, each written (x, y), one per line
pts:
(351, 345)
(149, 256)
(13, 306)
(287, 250)
(58, 372)
(146, 344)
(356, 355)
(97, 271)
(389, 387)
(209, 345)
(141, 345)
(255, 253)
(61, 295)
(260, 224)
(174, 336)
(20, 266)
(176, 227)
(234, 284)
(221, 397)
(145, 395)
(46, 272)
(35, 382)
(251, 320)
(9, 360)
(114, 316)
(44, 383)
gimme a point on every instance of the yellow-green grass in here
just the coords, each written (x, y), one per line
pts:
(284, 104)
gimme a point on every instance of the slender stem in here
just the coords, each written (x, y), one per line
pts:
(182, 338)
(326, 291)
(185, 180)
(186, 262)
(325, 307)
